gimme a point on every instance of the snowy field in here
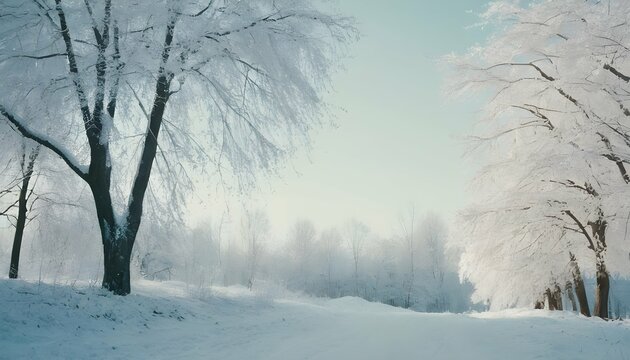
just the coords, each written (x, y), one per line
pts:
(169, 321)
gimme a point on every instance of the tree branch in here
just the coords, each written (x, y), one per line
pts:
(149, 150)
(97, 34)
(118, 65)
(614, 158)
(616, 72)
(199, 13)
(530, 64)
(538, 114)
(582, 229)
(587, 188)
(41, 139)
(267, 19)
(38, 57)
(74, 69)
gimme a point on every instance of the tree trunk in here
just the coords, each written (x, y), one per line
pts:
(602, 291)
(27, 172)
(117, 257)
(551, 300)
(118, 240)
(19, 231)
(118, 236)
(557, 295)
(116, 277)
(603, 282)
(580, 290)
(571, 296)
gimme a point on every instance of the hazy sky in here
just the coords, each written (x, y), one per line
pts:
(396, 142)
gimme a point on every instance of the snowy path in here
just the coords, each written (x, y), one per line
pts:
(161, 322)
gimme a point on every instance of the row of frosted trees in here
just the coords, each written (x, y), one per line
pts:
(336, 262)
(550, 204)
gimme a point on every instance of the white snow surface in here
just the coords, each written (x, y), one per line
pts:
(174, 321)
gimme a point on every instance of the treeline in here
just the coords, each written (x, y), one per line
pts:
(412, 270)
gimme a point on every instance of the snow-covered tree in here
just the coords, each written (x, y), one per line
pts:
(408, 227)
(329, 244)
(555, 134)
(356, 236)
(114, 88)
(432, 240)
(255, 230)
(301, 247)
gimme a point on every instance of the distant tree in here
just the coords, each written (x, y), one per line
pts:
(408, 227)
(356, 235)
(97, 82)
(301, 247)
(330, 244)
(255, 229)
(433, 236)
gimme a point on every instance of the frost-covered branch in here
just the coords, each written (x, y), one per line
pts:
(156, 116)
(582, 228)
(616, 159)
(587, 188)
(44, 141)
(72, 63)
(617, 73)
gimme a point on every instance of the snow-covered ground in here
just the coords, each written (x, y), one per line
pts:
(171, 321)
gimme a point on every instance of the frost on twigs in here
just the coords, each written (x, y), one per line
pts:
(246, 80)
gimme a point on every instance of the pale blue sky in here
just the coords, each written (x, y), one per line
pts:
(396, 143)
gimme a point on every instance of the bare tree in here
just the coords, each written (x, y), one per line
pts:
(255, 232)
(408, 228)
(356, 234)
(330, 241)
(27, 164)
(301, 246)
(433, 235)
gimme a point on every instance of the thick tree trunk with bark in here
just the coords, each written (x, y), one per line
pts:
(27, 172)
(557, 295)
(117, 259)
(117, 241)
(580, 290)
(601, 292)
(603, 282)
(551, 300)
(19, 231)
(116, 277)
